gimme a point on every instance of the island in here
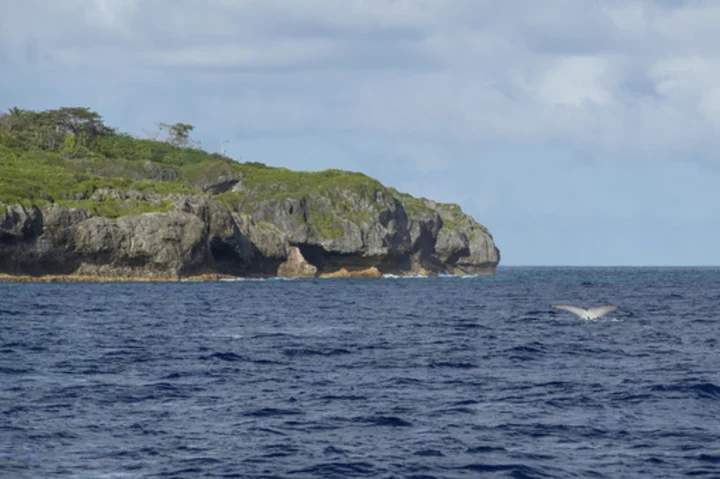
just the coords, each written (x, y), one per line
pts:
(80, 201)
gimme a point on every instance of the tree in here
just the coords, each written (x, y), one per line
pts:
(11, 120)
(81, 120)
(16, 112)
(48, 129)
(178, 134)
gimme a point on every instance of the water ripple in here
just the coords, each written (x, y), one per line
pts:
(439, 378)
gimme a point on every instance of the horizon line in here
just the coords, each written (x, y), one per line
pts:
(606, 266)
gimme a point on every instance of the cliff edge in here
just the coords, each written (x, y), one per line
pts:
(106, 205)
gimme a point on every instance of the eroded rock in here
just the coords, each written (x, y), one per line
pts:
(345, 235)
(296, 266)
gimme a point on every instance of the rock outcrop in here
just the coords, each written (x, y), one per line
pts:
(366, 273)
(465, 244)
(344, 234)
(172, 244)
(296, 266)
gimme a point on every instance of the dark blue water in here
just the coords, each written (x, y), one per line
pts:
(393, 378)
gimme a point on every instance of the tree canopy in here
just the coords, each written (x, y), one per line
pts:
(47, 130)
(178, 134)
(81, 132)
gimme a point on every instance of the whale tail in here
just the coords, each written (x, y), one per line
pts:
(592, 313)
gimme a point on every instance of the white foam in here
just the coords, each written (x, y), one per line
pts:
(442, 275)
(274, 278)
(397, 276)
(385, 276)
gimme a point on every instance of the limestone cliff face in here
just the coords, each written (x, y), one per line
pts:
(464, 244)
(56, 240)
(346, 233)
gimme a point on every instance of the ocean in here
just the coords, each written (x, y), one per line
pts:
(446, 377)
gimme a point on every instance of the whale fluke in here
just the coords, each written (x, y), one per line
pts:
(592, 313)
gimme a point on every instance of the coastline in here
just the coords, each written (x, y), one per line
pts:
(51, 278)
(163, 211)
(370, 273)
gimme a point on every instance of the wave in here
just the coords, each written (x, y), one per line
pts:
(429, 453)
(525, 353)
(400, 276)
(271, 411)
(712, 458)
(453, 365)
(443, 276)
(519, 471)
(703, 390)
(10, 370)
(422, 379)
(384, 276)
(383, 421)
(223, 357)
(242, 278)
(295, 352)
(338, 469)
(485, 450)
(340, 397)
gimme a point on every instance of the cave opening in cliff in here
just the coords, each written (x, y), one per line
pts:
(227, 260)
(314, 254)
(455, 256)
(329, 261)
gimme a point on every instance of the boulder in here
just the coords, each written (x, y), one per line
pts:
(366, 273)
(296, 266)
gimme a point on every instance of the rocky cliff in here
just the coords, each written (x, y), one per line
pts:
(304, 237)
(78, 199)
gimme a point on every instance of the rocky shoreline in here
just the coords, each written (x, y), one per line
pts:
(369, 273)
(203, 238)
(8, 278)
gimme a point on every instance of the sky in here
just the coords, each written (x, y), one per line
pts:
(580, 132)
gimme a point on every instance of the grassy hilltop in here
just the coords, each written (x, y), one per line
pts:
(63, 156)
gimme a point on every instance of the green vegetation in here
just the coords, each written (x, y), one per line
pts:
(178, 134)
(280, 183)
(343, 189)
(415, 206)
(208, 171)
(39, 177)
(49, 130)
(115, 208)
(135, 149)
(65, 156)
(325, 224)
(452, 215)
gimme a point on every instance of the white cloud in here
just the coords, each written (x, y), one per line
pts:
(683, 75)
(275, 53)
(111, 15)
(690, 84)
(630, 17)
(576, 81)
(710, 105)
(610, 74)
(689, 23)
